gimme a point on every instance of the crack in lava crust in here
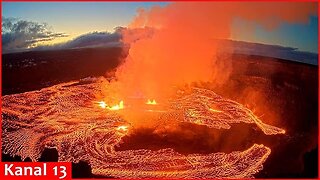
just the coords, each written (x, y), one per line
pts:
(64, 117)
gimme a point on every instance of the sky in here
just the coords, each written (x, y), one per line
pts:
(76, 18)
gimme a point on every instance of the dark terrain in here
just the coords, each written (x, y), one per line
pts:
(283, 93)
(27, 71)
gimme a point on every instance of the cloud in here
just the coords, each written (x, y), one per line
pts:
(94, 39)
(17, 35)
(101, 39)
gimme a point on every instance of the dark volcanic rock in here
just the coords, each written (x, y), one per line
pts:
(27, 71)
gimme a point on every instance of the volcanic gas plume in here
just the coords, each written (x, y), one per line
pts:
(171, 49)
(176, 45)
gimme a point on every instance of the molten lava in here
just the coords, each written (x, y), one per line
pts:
(176, 48)
(152, 102)
(122, 128)
(214, 110)
(116, 107)
(51, 118)
(102, 104)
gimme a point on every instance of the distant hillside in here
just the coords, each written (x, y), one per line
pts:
(274, 51)
(32, 70)
(26, 71)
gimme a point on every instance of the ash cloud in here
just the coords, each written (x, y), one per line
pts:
(18, 35)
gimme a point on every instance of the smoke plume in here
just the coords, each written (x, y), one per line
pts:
(181, 47)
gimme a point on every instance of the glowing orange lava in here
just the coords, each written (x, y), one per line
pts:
(122, 128)
(104, 105)
(116, 107)
(214, 110)
(152, 102)
(50, 118)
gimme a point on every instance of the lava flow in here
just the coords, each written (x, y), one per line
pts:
(69, 118)
(153, 102)
(172, 50)
(103, 105)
